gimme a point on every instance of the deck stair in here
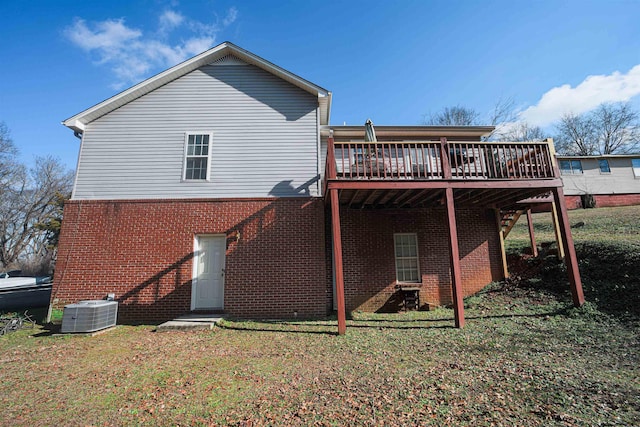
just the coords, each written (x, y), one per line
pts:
(508, 219)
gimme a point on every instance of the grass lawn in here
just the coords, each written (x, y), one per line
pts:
(525, 357)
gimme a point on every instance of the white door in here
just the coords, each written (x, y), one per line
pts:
(207, 290)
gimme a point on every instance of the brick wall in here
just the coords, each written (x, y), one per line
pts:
(605, 200)
(142, 251)
(369, 262)
(611, 200)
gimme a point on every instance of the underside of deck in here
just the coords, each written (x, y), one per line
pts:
(407, 198)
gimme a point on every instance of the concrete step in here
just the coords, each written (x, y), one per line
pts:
(189, 322)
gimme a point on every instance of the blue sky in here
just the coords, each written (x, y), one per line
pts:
(391, 61)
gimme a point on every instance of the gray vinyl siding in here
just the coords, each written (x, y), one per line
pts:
(264, 139)
(621, 180)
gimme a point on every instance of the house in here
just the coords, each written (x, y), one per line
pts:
(607, 180)
(219, 185)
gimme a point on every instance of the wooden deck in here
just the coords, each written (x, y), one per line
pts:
(408, 174)
(416, 174)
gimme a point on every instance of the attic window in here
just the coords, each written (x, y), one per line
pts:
(197, 157)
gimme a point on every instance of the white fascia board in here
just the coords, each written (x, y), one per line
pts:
(76, 125)
(328, 120)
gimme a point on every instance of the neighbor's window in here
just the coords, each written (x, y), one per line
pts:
(636, 167)
(197, 156)
(406, 246)
(569, 167)
(604, 166)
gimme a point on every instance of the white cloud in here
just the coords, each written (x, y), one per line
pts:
(593, 91)
(169, 20)
(232, 14)
(133, 54)
(108, 35)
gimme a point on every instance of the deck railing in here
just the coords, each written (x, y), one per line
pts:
(440, 160)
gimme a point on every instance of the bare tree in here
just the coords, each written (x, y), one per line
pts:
(8, 153)
(503, 112)
(610, 129)
(576, 135)
(457, 115)
(617, 127)
(29, 200)
(519, 131)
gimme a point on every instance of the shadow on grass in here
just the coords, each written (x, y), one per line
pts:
(277, 326)
(48, 329)
(329, 327)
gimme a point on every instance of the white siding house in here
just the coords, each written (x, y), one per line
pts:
(261, 125)
(606, 175)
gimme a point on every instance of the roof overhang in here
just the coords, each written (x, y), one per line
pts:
(413, 131)
(78, 122)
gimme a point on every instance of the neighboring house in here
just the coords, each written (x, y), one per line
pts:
(608, 180)
(219, 185)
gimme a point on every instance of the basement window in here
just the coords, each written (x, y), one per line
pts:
(197, 156)
(570, 167)
(406, 252)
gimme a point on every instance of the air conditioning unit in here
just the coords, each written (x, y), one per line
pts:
(89, 316)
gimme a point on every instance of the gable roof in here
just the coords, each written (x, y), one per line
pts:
(78, 122)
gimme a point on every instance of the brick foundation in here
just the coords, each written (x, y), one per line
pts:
(605, 200)
(369, 262)
(142, 251)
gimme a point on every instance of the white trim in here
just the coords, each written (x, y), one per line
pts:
(417, 257)
(318, 155)
(194, 272)
(184, 160)
(77, 125)
(75, 175)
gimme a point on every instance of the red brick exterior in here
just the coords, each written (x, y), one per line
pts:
(605, 200)
(369, 260)
(142, 251)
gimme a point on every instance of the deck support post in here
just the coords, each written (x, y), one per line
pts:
(503, 252)
(337, 260)
(571, 260)
(445, 165)
(454, 256)
(556, 229)
(532, 236)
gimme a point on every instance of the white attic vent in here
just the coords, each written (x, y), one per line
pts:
(229, 60)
